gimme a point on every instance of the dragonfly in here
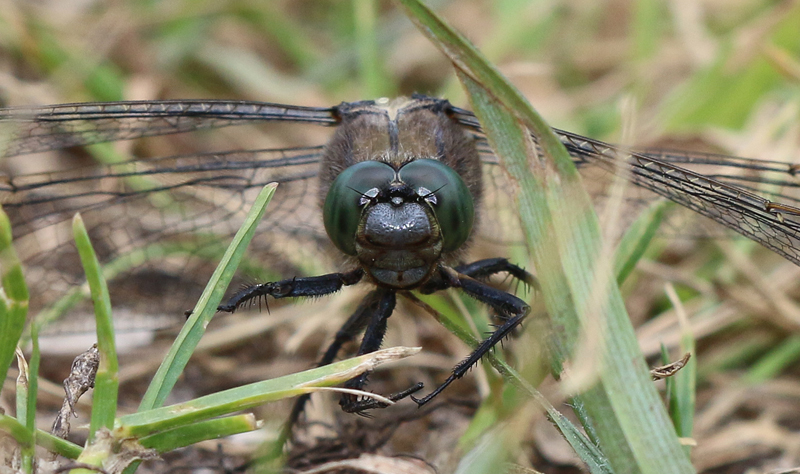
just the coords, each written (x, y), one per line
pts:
(394, 195)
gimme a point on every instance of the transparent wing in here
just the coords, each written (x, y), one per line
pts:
(165, 221)
(34, 129)
(499, 224)
(158, 223)
(760, 204)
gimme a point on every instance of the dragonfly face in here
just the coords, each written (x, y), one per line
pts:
(400, 201)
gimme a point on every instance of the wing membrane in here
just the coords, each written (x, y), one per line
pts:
(165, 211)
(35, 129)
(730, 200)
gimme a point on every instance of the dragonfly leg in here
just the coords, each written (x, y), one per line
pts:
(351, 328)
(506, 305)
(382, 308)
(292, 288)
(491, 266)
(483, 269)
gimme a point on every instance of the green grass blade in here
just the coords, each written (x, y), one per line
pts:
(26, 413)
(145, 423)
(104, 399)
(13, 312)
(12, 278)
(374, 82)
(589, 453)
(680, 396)
(192, 331)
(563, 238)
(14, 297)
(17, 431)
(779, 358)
(682, 387)
(682, 399)
(33, 380)
(22, 390)
(636, 239)
(56, 445)
(197, 432)
(490, 453)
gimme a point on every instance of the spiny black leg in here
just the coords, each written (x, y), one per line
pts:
(482, 269)
(463, 367)
(373, 337)
(491, 266)
(349, 330)
(294, 287)
(360, 406)
(505, 304)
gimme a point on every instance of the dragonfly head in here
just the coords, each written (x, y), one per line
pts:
(399, 222)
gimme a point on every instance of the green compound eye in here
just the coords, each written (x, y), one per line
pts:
(451, 200)
(342, 211)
